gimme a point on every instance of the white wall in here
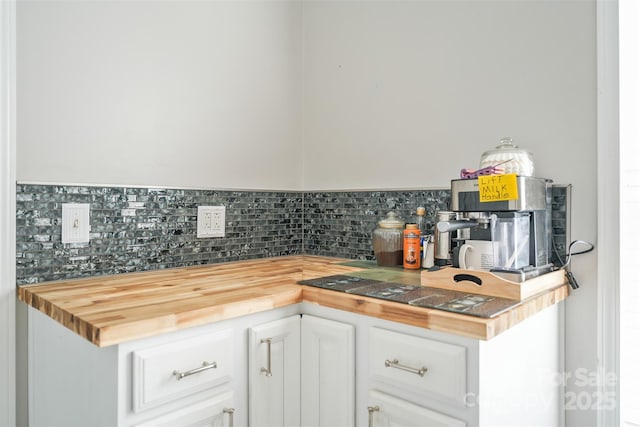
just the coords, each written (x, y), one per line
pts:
(167, 93)
(7, 215)
(404, 94)
(629, 203)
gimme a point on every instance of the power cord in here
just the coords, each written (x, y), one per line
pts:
(570, 250)
(570, 277)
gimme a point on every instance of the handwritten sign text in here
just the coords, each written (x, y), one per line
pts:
(495, 188)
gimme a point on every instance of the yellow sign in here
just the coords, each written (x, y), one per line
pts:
(496, 188)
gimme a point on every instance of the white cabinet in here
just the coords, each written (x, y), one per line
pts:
(429, 372)
(418, 364)
(418, 377)
(508, 381)
(193, 377)
(328, 373)
(327, 368)
(215, 412)
(388, 411)
(274, 373)
(165, 372)
(301, 372)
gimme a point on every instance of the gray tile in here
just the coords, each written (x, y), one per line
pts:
(162, 234)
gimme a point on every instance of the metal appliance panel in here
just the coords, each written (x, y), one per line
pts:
(465, 196)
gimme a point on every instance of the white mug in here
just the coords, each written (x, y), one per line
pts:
(476, 255)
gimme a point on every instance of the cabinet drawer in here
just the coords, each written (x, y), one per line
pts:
(215, 412)
(170, 371)
(388, 411)
(418, 364)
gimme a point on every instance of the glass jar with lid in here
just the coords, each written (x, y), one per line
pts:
(508, 157)
(388, 240)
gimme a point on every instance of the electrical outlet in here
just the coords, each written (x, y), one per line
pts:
(210, 221)
(75, 223)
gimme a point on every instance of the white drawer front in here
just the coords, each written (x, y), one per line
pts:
(388, 411)
(215, 412)
(418, 364)
(204, 361)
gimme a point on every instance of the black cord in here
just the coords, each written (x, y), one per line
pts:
(570, 277)
(570, 253)
(564, 259)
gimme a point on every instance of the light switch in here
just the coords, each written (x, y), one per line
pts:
(75, 223)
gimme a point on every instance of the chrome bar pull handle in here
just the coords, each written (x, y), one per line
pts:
(229, 411)
(267, 371)
(395, 364)
(371, 410)
(205, 366)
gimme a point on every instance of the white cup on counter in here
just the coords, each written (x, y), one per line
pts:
(476, 255)
(428, 252)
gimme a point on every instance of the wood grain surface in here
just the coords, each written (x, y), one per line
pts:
(108, 310)
(490, 283)
(439, 320)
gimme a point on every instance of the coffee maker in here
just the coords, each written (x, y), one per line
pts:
(520, 229)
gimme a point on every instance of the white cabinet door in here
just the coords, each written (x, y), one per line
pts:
(388, 411)
(274, 373)
(328, 373)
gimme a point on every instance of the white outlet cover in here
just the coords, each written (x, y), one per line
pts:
(211, 221)
(75, 223)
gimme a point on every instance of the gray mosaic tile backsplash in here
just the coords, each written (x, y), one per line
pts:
(560, 217)
(162, 233)
(341, 223)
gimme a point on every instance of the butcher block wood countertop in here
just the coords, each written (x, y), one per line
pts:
(108, 310)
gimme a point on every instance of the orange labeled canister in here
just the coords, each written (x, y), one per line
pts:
(411, 251)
